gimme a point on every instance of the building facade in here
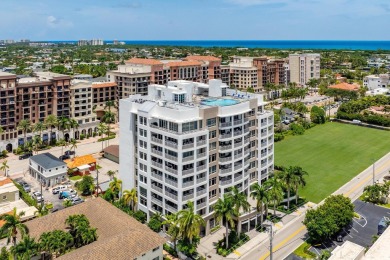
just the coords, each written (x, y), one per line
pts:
(47, 169)
(191, 141)
(33, 99)
(304, 67)
(101, 93)
(373, 82)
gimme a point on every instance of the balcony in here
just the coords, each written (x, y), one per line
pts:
(263, 154)
(171, 170)
(170, 208)
(188, 197)
(201, 205)
(237, 133)
(159, 165)
(170, 182)
(156, 201)
(201, 142)
(201, 192)
(263, 165)
(200, 155)
(170, 157)
(246, 140)
(156, 188)
(225, 159)
(238, 166)
(159, 177)
(171, 144)
(156, 140)
(225, 147)
(201, 168)
(225, 136)
(187, 184)
(238, 178)
(157, 152)
(227, 170)
(189, 145)
(263, 144)
(188, 158)
(237, 144)
(226, 124)
(238, 122)
(226, 182)
(200, 180)
(189, 171)
(246, 119)
(170, 195)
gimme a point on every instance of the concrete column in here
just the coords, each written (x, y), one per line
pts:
(207, 231)
(239, 226)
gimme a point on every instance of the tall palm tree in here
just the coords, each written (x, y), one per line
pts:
(45, 243)
(102, 128)
(4, 167)
(240, 200)
(260, 194)
(115, 186)
(24, 126)
(108, 118)
(288, 178)
(275, 191)
(224, 210)
(51, 121)
(26, 248)
(130, 197)
(73, 145)
(12, 225)
(173, 229)
(39, 128)
(63, 125)
(74, 125)
(41, 211)
(189, 222)
(37, 143)
(97, 167)
(299, 180)
(63, 143)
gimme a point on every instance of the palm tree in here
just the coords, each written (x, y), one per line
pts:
(4, 167)
(288, 178)
(63, 124)
(224, 210)
(51, 121)
(74, 125)
(37, 143)
(73, 145)
(97, 167)
(63, 143)
(130, 197)
(240, 200)
(67, 203)
(108, 118)
(260, 194)
(299, 180)
(41, 211)
(39, 127)
(24, 126)
(111, 174)
(115, 186)
(173, 229)
(275, 191)
(26, 248)
(102, 128)
(189, 222)
(12, 225)
(45, 243)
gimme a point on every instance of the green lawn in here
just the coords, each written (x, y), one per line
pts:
(332, 154)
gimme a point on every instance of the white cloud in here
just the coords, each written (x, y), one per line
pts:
(54, 22)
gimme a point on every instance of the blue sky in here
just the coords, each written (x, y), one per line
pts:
(195, 19)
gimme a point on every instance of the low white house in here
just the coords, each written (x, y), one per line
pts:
(373, 82)
(48, 169)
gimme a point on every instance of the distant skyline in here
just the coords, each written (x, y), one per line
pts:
(195, 19)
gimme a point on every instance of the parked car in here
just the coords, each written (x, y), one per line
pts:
(57, 189)
(26, 187)
(37, 196)
(67, 194)
(69, 152)
(77, 200)
(64, 157)
(25, 156)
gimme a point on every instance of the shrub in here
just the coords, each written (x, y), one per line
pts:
(25, 196)
(155, 225)
(106, 138)
(235, 242)
(170, 250)
(4, 153)
(317, 115)
(82, 137)
(140, 216)
(278, 137)
(297, 129)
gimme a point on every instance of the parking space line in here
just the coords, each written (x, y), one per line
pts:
(355, 229)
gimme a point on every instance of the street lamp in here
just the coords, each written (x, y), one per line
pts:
(373, 172)
(271, 233)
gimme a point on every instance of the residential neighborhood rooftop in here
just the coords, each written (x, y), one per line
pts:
(345, 86)
(47, 160)
(80, 161)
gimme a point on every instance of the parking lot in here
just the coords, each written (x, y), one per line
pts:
(361, 231)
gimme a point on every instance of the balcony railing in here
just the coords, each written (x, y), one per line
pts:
(228, 170)
(170, 195)
(156, 201)
(171, 144)
(237, 133)
(157, 188)
(157, 152)
(238, 122)
(159, 177)
(200, 180)
(188, 197)
(159, 165)
(171, 170)
(226, 182)
(170, 157)
(224, 136)
(200, 192)
(189, 171)
(156, 140)
(201, 167)
(238, 178)
(237, 144)
(201, 142)
(226, 124)
(225, 159)
(186, 146)
(201, 155)
(237, 166)
(225, 147)
(170, 208)
(170, 182)
(201, 205)
(188, 158)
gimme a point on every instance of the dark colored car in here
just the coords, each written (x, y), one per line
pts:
(69, 152)
(64, 157)
(25, 156)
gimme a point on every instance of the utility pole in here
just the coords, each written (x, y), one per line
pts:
(271, 236)
(373, 173)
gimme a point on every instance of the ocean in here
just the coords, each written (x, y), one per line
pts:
(270, 44)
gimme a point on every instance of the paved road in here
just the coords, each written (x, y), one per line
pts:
(294, 233)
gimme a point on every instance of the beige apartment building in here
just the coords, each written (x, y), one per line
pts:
(101, 93)
(32, 98)
(304, 67)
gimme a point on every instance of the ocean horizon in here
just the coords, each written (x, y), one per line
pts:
(267, 44)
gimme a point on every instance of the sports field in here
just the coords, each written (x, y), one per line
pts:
(332, 154)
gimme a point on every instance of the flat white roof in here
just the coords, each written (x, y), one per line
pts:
(83, 167)
(348, 251)
(380, 249)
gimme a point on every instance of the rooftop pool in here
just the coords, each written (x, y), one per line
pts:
(220, 102)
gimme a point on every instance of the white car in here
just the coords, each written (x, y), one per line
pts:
(57, 189)
(37, 196)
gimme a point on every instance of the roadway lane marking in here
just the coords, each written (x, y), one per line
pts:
(284, 241)
(237, 253)
(366, 179)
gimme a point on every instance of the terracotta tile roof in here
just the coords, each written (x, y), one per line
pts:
(80, 160)
(104, 85)
(203, 58)
(119, 235)
(144, 61)
(112, 149)
(5, 181)
(183, 63)
(345, 86)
